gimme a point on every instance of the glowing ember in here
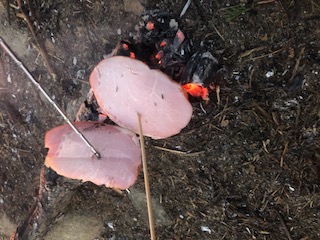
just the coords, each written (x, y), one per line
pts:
(180, 36)
(150, 26)
(196, 90)
(132, 55)
(163, 43)
(159, 55)
(125, 46)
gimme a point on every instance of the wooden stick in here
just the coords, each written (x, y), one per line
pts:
(39, 44)
(179, 152)
(8, 11)
(285, 228)
(146, 180)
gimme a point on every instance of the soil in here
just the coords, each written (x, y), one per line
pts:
(247, 167)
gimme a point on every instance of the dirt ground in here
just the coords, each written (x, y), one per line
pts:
(245, 168)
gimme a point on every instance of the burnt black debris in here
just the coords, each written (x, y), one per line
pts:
(201, 69)
(161, 44)
(170, 49)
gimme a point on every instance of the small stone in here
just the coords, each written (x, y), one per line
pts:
(270, 74)
(9, 78)
(74, 61)
(205, 229)
(110, 225)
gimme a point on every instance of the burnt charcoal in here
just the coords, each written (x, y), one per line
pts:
(129, 48)
(122, 49)
(156, 26)
(201, 69)
(88, 112)
(173, 54)
(161, 44)
(170, 49)
(160, 31)
(71, 87)
(296, 84)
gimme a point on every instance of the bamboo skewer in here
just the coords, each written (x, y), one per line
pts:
(146, 180)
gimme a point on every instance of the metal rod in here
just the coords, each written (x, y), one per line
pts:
(20, 64)
(185, 8)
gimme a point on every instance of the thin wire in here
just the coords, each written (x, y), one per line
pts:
(20, 64)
